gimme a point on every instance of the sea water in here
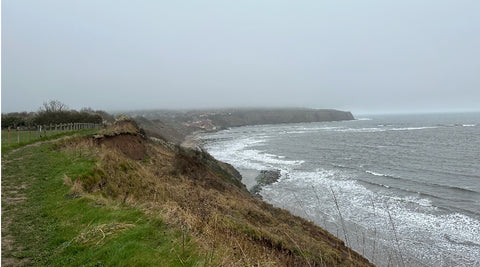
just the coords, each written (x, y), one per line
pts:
(402, 190)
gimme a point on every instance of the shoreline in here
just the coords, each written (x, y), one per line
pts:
(249, 176)
(378, 245)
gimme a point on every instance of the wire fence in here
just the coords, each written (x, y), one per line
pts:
(23, 134)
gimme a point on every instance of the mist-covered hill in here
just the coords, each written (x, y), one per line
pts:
(175, 125)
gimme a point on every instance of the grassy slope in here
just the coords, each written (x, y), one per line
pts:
(85, 202)
(44, 224)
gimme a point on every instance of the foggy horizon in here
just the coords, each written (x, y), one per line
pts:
(368, 57)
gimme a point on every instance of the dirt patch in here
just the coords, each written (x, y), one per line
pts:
(132, 146)
(11, 197)
(14, 200)
(8, 246)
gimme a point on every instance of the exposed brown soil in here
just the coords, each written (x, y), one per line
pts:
(8, 246)
(132, 146)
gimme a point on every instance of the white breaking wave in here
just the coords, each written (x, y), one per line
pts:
(377, 174)
(383, 129)
(427, 234)
(308, 194)
(240, 154)
(413, 128)
(301, 130)
(361, 130)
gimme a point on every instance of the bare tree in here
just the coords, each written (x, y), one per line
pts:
(53, 106)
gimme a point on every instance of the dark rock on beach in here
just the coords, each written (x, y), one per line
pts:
(265, 177)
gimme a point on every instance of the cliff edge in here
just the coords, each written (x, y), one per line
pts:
(189, 189)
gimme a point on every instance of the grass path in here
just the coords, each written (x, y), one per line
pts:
(13, 196)
(43, 224)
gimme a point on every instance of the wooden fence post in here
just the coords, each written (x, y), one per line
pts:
(47, 129)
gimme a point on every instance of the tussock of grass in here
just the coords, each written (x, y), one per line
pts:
(100, 233)
(123, 126)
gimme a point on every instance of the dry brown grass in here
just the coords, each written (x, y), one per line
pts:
(190, 191)
(100, 233)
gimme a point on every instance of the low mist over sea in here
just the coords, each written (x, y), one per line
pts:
(399, 189)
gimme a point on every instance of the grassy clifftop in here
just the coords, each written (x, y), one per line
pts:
(118, 198)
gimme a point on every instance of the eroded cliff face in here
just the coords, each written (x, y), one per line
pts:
(275, 116)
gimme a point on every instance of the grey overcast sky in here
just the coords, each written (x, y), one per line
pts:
(362, 56)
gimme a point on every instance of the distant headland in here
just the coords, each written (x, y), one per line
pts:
(174, 125)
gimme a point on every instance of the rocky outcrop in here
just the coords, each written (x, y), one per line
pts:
(265, 177)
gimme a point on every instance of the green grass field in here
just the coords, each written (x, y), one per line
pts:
(29, 137)
(25, 136)
(44, 224)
